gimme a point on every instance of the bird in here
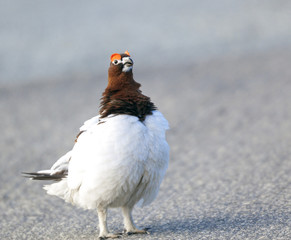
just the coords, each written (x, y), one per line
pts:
(120, 156)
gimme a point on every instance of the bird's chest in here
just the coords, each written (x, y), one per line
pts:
(120, 141)
(118, 156)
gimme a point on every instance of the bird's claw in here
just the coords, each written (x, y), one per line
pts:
(110, 235)
(137, 231)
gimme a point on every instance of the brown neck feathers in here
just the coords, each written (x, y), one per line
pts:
(122, 96)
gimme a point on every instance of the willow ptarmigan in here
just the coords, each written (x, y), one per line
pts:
(120, 156)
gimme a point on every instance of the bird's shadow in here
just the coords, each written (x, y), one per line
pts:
(225, 223)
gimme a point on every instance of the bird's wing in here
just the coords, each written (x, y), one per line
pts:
(57, 172)
(60, 169)
(89, 123)
(61, 165)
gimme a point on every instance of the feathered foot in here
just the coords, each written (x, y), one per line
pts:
(110, 235)
(129, 226)
(104, 233)
(137, 231)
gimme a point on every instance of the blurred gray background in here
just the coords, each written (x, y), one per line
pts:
(218, 70)
(45, 39)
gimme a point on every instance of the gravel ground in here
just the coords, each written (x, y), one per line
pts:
(230, 168)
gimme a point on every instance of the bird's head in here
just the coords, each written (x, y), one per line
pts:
(120, 72)
(121, 63)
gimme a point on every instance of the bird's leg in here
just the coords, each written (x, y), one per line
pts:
(129, 226)
(102, 216)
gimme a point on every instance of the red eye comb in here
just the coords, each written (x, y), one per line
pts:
(115, 56)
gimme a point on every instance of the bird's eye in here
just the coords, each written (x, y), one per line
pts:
(115, 62)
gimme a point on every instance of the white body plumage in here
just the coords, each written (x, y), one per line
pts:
(120, 156)
(116, 161)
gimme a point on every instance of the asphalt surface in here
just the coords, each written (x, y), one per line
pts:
(230, 167)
